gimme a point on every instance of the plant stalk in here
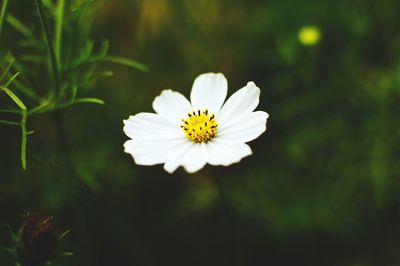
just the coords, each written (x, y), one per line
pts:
(221, 191)
(58, 31)
(53, 58)
(24, 138)
(3, 15)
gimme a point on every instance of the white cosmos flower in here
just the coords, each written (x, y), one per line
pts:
(204, 130)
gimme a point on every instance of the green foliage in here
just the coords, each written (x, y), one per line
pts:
(321, 187)
(67, 52)
(3, 14)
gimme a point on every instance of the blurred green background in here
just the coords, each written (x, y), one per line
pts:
(321, 188)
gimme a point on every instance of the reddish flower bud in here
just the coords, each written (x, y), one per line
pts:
(36, 241)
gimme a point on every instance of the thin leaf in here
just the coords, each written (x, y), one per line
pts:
(14, 98)
(24, 139)
(123, 61)
(87, 51)
(30, 132)
(63, 89)
(39, 108)
(25, 90)
(69, 254)
(13, 236)
(31, 58)
(89, 100)
(7, 69)
(74, 91)
(19, 26)
(64, 234)
(8, 250)
(105, 73)
(81, 9)
(17, 67)
(104, 48)
(31, 39)
(11, 79)
(58, 30)
(3, 14)
(53, 59)
(10, 123)
(13, 111)
(23, 124)
(50, 5)
(31, 43)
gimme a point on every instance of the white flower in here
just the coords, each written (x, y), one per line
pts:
(192, 134)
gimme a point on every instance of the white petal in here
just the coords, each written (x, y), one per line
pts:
(224, 153)
(172, 106)
(192, 156)
(151, 152)
(242, 102)
(209, 91)
(247, 128)
(150, 126)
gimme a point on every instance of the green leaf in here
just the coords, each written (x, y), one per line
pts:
(53, 58)
(69, 254)
(8, 250)
(63, 90)
(105, 73)
(104, 48)
(39, 108)
(31, 39)
(7, 69)
(87, 51)
(13, 111)
(89, 100)
(123, 61)
(3, 14)
(13, 236)
(25, 90)
(64, 234)
(14, 98)
(58, 30)
(22, 124)
(24, 138)
(11, 79)
(50, 5)
(74, 91)
(19, 26)
(10, 123)
(31, 58)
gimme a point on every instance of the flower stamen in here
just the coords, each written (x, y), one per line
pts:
(200, 126)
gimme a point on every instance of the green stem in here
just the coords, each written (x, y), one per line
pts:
(58, 30)
(53, 59)
(63, 137)
(10, 123)
(221, 190)
(24, 138)
(3, 15)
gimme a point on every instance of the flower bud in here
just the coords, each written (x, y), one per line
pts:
(36, 241)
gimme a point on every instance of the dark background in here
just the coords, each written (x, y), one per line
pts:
(321, 188)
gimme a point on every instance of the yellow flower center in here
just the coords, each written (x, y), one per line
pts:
(200, 126)
(309, 35)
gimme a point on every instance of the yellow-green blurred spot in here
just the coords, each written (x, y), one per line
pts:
(309, 35)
